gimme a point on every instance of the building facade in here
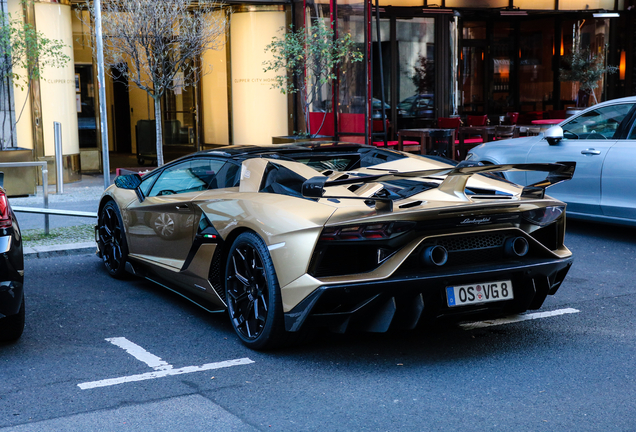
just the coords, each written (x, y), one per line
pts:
(421, 61)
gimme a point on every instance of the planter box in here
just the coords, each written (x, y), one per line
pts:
(18, 181)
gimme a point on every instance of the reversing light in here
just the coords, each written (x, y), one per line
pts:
(544, 216)
(376, 231)
(5, 217)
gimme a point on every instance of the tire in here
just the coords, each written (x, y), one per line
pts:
(112, 240)
(11, 327)
(253, 295)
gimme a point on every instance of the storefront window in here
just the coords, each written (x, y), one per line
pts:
(472, 61)
(351, 82)
(586, 35)
(502, 66)
(416, 71)
(536, 76)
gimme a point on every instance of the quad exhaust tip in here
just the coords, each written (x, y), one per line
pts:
(435, 255)
(516, 246)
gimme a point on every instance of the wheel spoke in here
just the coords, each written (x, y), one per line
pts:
(241, 279)
(247, 290)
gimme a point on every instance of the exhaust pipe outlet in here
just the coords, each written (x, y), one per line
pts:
(516, 246)
(435, 255)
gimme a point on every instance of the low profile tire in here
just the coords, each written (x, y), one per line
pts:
(253, 295)
(11, 327)
(112, 240)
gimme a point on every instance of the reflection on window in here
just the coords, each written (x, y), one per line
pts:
(191, 176)
(600, 123)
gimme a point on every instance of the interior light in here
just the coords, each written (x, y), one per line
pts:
(606, 15)
(621, 66)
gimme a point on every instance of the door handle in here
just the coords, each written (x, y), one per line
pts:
(182, 207)
(590, 151)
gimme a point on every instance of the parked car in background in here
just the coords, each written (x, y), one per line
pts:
(12, 310)
(342, 236)
(419, 106)
(602, 142)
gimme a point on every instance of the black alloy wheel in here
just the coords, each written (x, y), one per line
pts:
(252, 293)
(112, 240)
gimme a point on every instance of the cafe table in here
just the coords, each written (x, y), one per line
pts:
(419, 134)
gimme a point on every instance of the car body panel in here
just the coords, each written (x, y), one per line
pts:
(601, 141)
(11, 267)
(618, 179)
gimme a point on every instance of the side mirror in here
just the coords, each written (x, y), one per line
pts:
(128, 181)
(553, 135)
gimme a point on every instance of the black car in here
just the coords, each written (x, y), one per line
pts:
(11, 273)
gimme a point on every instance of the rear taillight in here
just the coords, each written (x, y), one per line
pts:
(374, 231)
(5, 217)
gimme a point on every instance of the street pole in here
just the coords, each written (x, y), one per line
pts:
(102, 91)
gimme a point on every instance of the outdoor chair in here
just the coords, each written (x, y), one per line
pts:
(455, 123)
(441, 143)
(378, 133)
(504, 132)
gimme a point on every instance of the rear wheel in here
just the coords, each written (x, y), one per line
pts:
(11, 327)
(112, 240)
(253, 295)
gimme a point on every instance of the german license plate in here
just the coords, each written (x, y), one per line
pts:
(479, 293)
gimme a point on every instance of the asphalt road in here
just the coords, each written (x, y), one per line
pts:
(575, 371)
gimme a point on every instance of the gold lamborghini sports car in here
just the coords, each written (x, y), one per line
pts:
(343, 236)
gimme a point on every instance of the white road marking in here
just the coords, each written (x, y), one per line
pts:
(164, 373)
(517, 318)
(162, 368)
(139, 353)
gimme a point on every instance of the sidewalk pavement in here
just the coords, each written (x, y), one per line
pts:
(81, 195)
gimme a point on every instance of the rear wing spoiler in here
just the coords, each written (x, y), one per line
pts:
(454, 183)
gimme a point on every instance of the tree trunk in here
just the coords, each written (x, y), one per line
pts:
(159, 130)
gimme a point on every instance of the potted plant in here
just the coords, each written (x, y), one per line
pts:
(311, 57)
(585, 68)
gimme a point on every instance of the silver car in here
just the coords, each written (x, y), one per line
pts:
(602, 142)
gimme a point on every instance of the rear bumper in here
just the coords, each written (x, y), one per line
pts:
(405, 301)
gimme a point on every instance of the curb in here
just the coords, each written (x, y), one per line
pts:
(59, 250)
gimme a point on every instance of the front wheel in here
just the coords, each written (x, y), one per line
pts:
(112, 240)
(253, 295)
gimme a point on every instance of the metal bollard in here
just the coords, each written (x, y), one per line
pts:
(59, 158)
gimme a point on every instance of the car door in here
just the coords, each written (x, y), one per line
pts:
(618, 179)
(161, 228)
(587, 140)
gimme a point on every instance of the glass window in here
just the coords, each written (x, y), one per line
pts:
(600, 123)
(536, 77)
(190, 176)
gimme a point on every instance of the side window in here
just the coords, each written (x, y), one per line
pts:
(189, 176)
(601, 123)
(146, 183)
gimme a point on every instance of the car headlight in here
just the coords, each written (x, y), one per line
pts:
(544, 216)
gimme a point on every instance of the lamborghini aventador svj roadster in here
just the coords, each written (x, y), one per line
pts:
(343, 236)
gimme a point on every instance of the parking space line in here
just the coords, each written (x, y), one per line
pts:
(517, 318)
(162, 368)
(139, 353)
(164, 373)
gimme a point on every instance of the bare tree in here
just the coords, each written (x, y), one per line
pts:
(157, 44)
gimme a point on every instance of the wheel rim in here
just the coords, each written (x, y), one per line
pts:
(111, 238)
(164, 225)
(247, 291)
